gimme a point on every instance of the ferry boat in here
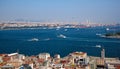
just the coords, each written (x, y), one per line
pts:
(107, 29)
(34, 39)
(62, 36)
(65, 30)
(99, 46)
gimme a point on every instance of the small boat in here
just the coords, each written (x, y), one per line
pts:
(65, 30)
(33, 39)
(58, 27)
(98, 46)
(61, 36)
(107, 29)
(98, 34)
(44, 28)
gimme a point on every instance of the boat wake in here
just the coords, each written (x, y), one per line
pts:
(33, 39)
(47, 39)
(36, 39)
(98, 34)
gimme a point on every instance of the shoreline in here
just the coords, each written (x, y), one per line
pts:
(114, 37)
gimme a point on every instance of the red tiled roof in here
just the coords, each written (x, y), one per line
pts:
(3, 55)
(117, 66)
(40, 60)
(5, 59)
(79, 53)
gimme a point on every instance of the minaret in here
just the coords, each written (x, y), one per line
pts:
(18, 51)
(88, 23)
(103, 53)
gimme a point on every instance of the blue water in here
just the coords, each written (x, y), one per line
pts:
(84, 40)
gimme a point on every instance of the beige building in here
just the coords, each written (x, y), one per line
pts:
(79, 54)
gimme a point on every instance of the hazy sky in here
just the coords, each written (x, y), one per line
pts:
(98, 11)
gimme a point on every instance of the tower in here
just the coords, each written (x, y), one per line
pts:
(103, 53)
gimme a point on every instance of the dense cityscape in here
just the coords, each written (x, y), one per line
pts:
(50, 25)
(75, 60)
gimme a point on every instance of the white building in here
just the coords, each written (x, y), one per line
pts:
(80, 57)
(21, 56)
(103, 53)
(1, 59)
(57, 56)
(44, 56)
(79, 54)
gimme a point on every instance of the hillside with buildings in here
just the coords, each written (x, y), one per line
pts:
(75, 60)
(113, 35)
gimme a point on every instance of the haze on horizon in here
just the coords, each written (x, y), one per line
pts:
(97, 11)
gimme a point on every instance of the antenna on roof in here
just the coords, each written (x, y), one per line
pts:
(17, 50)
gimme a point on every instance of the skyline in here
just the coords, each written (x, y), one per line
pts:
(102, 11)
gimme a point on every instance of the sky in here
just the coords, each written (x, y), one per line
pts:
(96, 11)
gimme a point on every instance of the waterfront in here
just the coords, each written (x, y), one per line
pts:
(47, 40)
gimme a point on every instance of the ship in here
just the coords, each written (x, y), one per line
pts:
(33, 39)
(65, 29)
(107, 29)
(98, 46)
(61, 36)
